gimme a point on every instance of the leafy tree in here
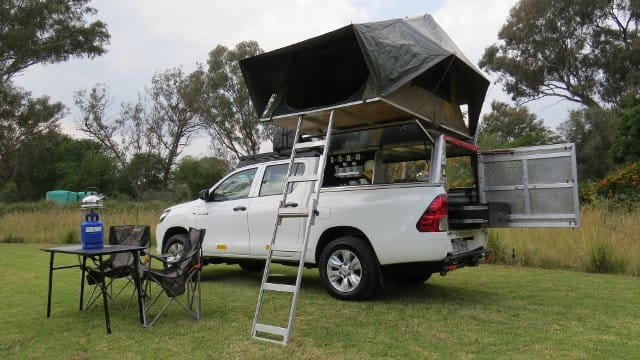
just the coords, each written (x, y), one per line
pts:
(23, 119)
(9, 192)
(508, 126)
(198, 174)
(80, 163)
(584, 51)
(593, 132)
(35, 31)
(146, 170)
(226, 108)
(627, 143)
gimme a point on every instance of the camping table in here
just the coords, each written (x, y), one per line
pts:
(93, 254)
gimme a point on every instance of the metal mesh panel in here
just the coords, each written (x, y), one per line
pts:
(551, 201)
(549, 171)
(503, 173)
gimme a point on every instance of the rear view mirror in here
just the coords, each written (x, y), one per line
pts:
(204, 194)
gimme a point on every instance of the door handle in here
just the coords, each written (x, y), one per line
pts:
(291, 204)
(240, 208)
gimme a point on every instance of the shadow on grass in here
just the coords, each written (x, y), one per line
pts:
(427, 292)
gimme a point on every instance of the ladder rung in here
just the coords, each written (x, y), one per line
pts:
(276, 330)
(310, 144)
(279, 287)
(286, 248)
(302, 178)
(293, 212)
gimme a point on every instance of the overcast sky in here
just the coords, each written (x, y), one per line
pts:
(152, 35)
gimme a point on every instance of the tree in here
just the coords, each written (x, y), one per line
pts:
(35, 31)
(23, 119)
(627, 142)
(161, 124)
(584, 51)
(145, 169)
(508, 126)
(174, 120)
(226, 108)
(198, 174)
(80, 163)
(593, 132)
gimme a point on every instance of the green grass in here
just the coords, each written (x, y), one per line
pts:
(489, 312)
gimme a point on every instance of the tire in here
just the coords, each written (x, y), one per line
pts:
(252, 266)
(349, 269)
(283, 139)
(175, 244)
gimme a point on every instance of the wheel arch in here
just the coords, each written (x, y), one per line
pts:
(172, 231)
(335, 232)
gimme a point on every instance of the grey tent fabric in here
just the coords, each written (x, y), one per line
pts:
(360, 62)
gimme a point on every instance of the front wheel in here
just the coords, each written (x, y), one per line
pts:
(348, 269)
(175, 245)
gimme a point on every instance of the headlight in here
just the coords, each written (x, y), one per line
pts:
(164, 214)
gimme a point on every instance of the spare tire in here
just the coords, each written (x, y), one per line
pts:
(283, 139)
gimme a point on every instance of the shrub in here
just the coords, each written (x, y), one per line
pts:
(621, 189)
(601, 258)
(9, 192)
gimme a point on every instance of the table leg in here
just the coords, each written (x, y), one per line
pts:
(84, 266)
(103, 287)
(138, 283)
(50, 284)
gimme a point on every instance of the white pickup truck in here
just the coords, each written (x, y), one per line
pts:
(385, 208)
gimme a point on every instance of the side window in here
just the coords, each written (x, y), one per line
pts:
(274, 177)
(235, 187)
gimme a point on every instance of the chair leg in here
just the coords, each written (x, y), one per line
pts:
(199, 296)
(160, 313)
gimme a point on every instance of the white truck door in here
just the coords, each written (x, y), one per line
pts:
(533, 186)
(262, 213)
(224, 216)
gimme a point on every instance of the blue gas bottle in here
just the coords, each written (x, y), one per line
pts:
(92, 231)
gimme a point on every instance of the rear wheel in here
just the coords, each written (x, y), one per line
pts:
(348, 269)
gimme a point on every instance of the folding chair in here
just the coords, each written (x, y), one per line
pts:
(118, 265)
(179, 278)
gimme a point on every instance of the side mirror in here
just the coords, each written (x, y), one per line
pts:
(204, 194)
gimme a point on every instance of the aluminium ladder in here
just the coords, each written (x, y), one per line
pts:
(260, 330)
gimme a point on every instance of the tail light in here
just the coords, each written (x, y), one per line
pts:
(435, 217)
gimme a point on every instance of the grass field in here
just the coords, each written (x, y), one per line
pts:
(606, 242)
(46, 222)
(489, 312)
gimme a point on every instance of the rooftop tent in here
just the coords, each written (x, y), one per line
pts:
(372, 73)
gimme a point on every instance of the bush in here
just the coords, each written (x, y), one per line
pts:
(9, 192)
(499, 250)
(621, 189)
(601, 258)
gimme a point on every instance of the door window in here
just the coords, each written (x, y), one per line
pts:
(237, 186)
(274, 177)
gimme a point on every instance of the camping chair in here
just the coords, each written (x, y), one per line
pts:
(118, 265)
(179, 278)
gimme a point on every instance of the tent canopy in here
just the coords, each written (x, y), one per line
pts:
(374, 73)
